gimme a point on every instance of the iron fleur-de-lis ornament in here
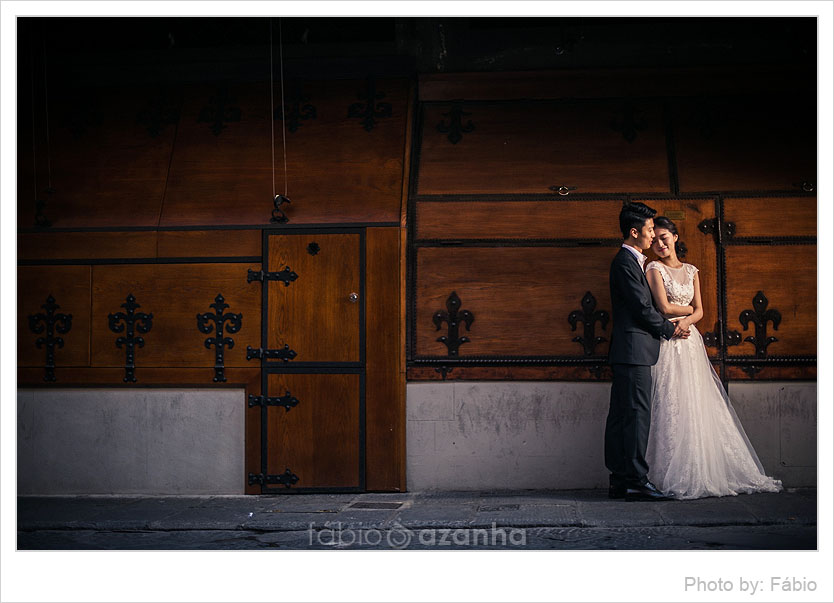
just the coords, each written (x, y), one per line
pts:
(453, 316)
(232, 324)
(129, 322)
(589, 317)
(50, 322)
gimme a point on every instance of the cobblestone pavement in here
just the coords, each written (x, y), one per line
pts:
(532, 519)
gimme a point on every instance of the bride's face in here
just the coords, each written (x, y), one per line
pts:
(664, 243)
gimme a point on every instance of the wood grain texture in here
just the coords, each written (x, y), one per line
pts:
(106, 168)
(526, 147)
(765, 142)
(175, 294)
(774, 373)
(314, 314)
(209, 243)
(385, 383)
(601, 83)
(318, 439)
(86, 245)
(557, 219)
(521, 297)
(772, 216)
(787, 275)
(70, 287)
(336, 170)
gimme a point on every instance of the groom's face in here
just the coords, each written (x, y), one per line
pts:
(645, 235)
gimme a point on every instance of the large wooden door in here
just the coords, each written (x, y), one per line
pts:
(312, 410)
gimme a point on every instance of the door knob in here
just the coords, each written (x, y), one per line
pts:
(353, 297)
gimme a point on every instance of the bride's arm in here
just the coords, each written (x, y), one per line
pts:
(698, 314)
(659, 294)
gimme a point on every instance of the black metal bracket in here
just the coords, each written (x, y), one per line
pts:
(313, 248)
(278, 215)
(452, 318)
(295, 109)
(288, 478)
(455, 128)
(160, 111)
(285, 353)
(287, 401)
(50, 322)
(443, 370)
(709, 226)
(760, 316)
(629, 122)
(219, 111)
(370, 109)
(712, 339)
(589, 317)
(132, 321)
(286, 276)
(220, 342)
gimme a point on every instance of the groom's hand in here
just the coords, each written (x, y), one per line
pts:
(681, 332)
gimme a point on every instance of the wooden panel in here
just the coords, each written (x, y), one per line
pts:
(512, 373)
(314, 314)
(772, 216)
(70, 288)
(318, 439)
(209, 243)
(336, 170)
(701, 253)
(175, 294)
(557, 219)
(385, 383)
(774, 373)
(526, 147)
(521, 297)
(600, 83)
(788, 278)
(766, 142)
(86, 245)
(107, 168)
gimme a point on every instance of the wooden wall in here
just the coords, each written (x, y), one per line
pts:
(516, 187)
(155, 202)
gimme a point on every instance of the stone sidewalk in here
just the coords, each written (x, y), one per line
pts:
(542, 519)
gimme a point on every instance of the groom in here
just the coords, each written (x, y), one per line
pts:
(635, 346)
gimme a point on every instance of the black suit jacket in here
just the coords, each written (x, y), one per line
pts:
(638, 325)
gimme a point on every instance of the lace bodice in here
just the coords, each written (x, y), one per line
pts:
(678, 282)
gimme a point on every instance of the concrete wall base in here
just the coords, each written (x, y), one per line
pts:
(512, 435)
(137, 441)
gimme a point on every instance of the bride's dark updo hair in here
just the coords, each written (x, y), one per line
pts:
(664, 222)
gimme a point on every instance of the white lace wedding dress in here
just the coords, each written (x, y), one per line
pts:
(697, 446)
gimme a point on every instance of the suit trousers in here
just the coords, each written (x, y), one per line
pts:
(627, 426)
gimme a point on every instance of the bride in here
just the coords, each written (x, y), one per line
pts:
(697, 446)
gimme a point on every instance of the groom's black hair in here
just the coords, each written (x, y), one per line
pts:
(634, 215)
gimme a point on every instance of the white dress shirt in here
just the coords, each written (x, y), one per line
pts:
(641, 259)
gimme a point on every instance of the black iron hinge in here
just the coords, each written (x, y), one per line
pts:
(285, 353)
(287, 401)
(286, 276)
(288, 478)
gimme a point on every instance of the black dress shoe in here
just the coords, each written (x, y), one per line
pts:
(616, 491)
(647, 492)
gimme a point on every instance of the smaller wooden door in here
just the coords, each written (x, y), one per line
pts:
(313, 410)
(316, 310)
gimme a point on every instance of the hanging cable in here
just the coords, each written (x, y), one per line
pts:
(283, 121)
(49, 188)
(278, 214)
(272, 107)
